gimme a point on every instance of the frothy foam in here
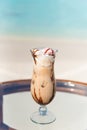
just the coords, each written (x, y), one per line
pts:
(45, 51)
(45, 56)
(45, 60)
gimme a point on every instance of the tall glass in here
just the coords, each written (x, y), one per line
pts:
(43, 83)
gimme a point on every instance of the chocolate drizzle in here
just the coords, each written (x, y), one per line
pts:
(53, 94)
(33, 54)
(43, 85)
(35, 96)
(40, 98)
(52, 77)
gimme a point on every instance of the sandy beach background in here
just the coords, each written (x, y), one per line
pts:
(16, 60)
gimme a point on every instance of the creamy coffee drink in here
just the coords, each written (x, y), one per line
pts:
(43, 79)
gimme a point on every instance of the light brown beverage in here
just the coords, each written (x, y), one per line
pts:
(43, 79)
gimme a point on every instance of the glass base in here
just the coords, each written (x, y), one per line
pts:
(42, 116)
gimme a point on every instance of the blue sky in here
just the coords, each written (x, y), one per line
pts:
(65, 18)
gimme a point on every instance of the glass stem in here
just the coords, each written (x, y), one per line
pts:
(43, 110)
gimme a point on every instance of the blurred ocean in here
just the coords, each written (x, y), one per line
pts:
(50, 18)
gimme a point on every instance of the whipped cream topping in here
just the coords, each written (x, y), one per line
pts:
(44, 51)
(45, 56)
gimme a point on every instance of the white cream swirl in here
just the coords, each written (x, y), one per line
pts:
(45, 57)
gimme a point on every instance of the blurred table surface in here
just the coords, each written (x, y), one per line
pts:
(69, 106)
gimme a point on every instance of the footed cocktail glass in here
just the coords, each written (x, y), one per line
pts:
(43, 83)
